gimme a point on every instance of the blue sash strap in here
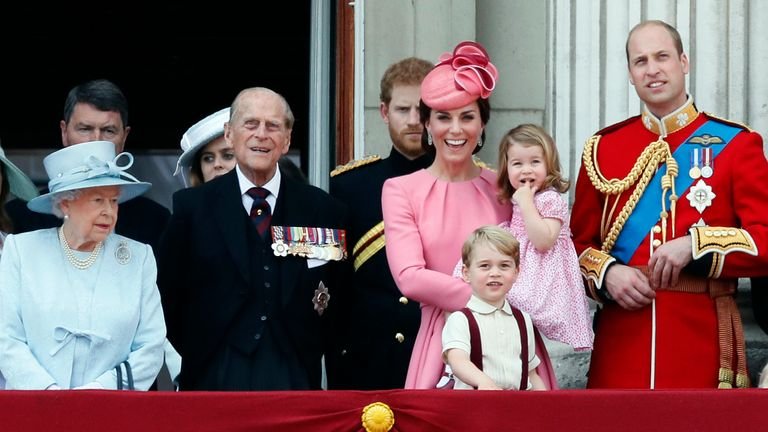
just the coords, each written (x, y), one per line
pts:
(647, 212)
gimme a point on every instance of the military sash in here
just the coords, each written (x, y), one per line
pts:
(712, 134)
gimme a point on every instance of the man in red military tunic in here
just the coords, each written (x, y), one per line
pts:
(668, 215)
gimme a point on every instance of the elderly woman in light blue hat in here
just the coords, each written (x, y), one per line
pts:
(207, 154)
(13, 181)
(80, 307)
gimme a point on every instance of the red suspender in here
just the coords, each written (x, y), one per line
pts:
(523, 348)
(476, 346)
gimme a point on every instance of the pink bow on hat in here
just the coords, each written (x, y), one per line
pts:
(459, 78)
(473, 67)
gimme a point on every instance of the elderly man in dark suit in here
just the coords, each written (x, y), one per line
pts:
(250, 263)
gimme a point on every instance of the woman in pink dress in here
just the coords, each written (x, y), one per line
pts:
(428, 214)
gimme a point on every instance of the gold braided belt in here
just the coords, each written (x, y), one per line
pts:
(729, 327)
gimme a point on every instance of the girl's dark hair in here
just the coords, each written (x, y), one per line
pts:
(484, 105)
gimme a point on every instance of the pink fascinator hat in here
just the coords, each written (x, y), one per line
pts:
(459, 78)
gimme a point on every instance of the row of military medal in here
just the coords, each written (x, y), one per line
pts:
(701, 163)
(327, 252)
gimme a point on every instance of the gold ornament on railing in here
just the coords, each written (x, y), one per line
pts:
(378, 417)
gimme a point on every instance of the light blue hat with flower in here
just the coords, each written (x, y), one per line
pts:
(87, 165)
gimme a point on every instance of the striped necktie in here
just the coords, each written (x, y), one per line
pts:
(261, 213)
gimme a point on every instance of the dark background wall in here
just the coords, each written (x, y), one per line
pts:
(175, 63)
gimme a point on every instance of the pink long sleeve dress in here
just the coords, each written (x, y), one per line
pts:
(426, 221)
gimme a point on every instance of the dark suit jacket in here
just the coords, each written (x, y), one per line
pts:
(205, 274)
(140, 219)
(379, 326)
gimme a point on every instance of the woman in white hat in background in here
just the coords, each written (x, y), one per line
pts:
(80, 307)
(207, 154)
(12, 182)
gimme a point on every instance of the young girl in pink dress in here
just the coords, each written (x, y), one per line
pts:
(549, 286)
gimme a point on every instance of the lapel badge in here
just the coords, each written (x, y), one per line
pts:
(705, 140)
(701, 196)
(320, 299)
(123, 253)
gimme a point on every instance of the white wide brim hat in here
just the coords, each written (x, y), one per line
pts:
(20, 185)
(198, 136)
(87, 165)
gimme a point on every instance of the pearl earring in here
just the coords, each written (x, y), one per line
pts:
(480, 142)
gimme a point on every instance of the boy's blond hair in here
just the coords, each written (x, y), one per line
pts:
(501, 239)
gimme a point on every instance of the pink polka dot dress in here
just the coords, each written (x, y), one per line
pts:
(549, 286)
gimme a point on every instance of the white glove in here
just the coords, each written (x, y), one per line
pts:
(93, 385)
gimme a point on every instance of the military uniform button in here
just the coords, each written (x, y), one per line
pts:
(400, 337)
(404, 300)
(656, 229)
(656, 243)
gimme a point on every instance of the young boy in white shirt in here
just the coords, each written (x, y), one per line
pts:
(490, 257)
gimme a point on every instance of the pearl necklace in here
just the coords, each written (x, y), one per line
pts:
(75, 261)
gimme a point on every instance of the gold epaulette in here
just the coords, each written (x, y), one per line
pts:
(593, 264)
(729, 122)
(355, 164)
(720, 241)
(482, 164)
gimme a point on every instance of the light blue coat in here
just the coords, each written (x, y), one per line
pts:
(69, 327)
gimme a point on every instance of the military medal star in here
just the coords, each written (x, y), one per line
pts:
(321, 298)
(701, 196)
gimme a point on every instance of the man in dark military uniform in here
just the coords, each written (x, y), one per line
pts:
(380, 324)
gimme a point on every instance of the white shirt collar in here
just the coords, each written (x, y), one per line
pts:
(273, 185)
(476, 304)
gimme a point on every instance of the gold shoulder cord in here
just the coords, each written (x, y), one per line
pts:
(641, 174)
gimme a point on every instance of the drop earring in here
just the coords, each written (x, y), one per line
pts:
(429, 138)
(480, 142)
